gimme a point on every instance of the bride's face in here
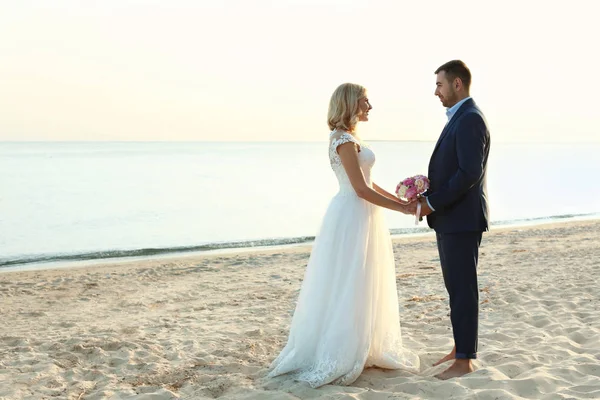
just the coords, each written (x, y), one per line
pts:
(363, 108)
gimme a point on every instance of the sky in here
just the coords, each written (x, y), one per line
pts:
(253, 70)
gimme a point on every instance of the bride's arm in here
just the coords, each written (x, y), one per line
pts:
(383, 192)
(349, 157)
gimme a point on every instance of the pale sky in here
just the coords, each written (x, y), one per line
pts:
(249, 70)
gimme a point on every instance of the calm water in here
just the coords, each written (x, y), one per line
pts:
(110, 199)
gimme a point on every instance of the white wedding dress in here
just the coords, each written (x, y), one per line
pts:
(346, 317)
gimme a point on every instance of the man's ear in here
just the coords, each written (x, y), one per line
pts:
(457, 83)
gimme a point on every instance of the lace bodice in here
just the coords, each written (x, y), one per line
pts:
(366, 159)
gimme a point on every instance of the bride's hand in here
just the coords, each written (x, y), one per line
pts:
(410, 207)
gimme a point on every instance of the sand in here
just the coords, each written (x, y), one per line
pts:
(204, 327)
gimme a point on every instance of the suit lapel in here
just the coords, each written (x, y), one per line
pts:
(450, 124)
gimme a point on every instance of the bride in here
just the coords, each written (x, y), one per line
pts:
(346, 317)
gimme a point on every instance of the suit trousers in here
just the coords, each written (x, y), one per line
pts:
(459, 254)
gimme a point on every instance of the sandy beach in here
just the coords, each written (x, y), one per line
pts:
(205, 327)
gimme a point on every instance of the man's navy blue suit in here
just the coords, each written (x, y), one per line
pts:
(457, 174)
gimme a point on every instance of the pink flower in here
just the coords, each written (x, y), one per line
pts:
(411, 193)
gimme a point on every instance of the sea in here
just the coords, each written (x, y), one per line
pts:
(64, 202)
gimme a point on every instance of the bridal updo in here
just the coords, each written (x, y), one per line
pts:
(343, 107)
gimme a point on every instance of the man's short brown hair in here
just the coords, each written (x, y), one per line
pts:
(456, 69)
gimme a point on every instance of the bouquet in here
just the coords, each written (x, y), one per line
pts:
(411, 188)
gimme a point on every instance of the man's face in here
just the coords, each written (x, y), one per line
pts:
(445, 90)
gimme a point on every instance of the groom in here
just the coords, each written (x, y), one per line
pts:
(456, 206)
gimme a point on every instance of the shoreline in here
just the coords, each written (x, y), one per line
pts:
(167, 255)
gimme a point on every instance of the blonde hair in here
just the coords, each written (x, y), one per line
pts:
(343, 107)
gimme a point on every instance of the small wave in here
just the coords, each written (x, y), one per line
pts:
(535, 220)
(98, 255)
(147, 252)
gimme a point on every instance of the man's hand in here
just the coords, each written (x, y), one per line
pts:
(425, 210)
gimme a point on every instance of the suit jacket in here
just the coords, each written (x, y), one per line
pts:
(457, 174)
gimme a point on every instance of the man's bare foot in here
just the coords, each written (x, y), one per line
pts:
(459, 368)
(448, 357)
